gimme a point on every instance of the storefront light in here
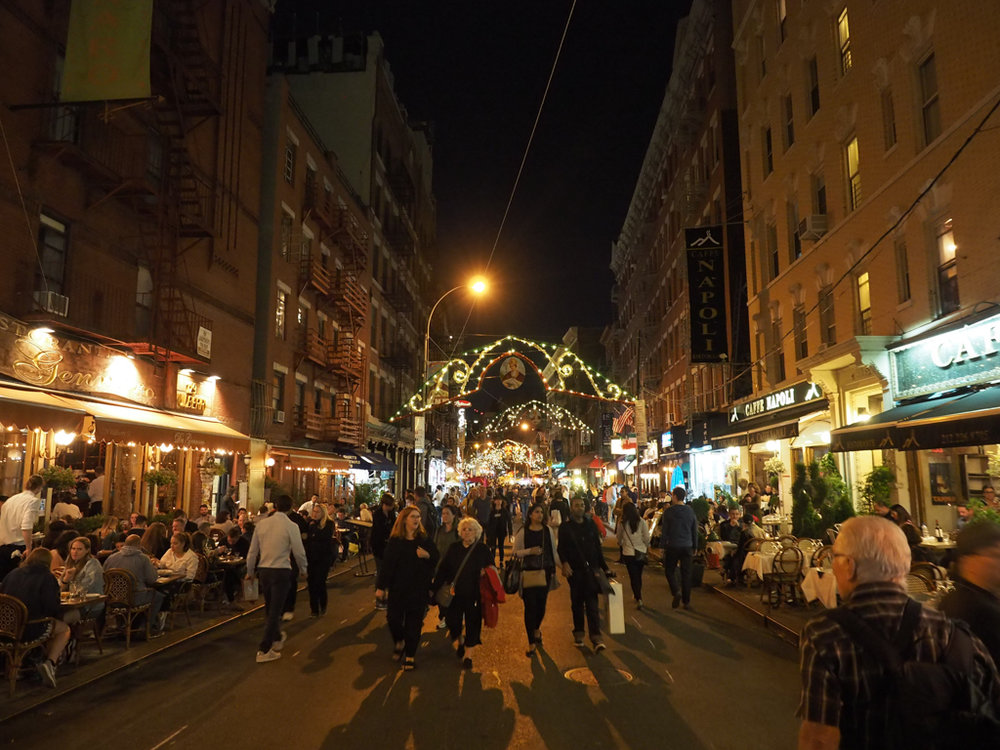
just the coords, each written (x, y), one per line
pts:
(165, 448)
(269, 461)
(64, 438)
(773, 445)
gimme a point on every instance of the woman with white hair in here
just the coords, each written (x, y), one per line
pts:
(462, 567)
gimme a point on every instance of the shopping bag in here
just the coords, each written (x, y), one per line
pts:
(614, 608)
(251, 590)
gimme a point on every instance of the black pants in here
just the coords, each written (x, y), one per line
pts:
(583, 599)
(470, 610)
(274, 584)
(232, 578)
(634, 568)
(672, 556)
(535, 598)
(316, 582)
(405, 622)
(495, 543)
(293, 590)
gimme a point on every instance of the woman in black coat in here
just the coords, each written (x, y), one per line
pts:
(498, 527)
(319, 556)
(406, 572)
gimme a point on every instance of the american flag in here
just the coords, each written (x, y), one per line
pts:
(624, 419)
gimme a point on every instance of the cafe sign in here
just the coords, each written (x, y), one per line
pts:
(794, 395)
(966, 356)
(706, 270)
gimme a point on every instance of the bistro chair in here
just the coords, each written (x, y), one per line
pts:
(13, 622)
(754, 544)
(787, 540)
(78, 628)
(206, 583)
(769, 547)
(918, 587)
(823, 557)
(808, 547)
(180, 601)
(119, 587)
(783, 580)
(933, 573)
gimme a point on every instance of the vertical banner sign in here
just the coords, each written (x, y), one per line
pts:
(641, 438)
(107, 50)
(418, 433)
(707, 294)
(606, 419)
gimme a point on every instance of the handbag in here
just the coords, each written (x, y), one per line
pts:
(251, 590)
(446, 591)
(512, 576)
(533, 579)
(639, 555)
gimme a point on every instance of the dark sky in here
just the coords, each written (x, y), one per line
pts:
(477, 70)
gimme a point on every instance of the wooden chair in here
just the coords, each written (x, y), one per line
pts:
(78, 628)
(119, 587)
(823, 557)
(930, 571)
(783, 580)
(13, 622)
(917, 586)
(754, 544)
(180, 601)
(808, 547)
(204, 584)
(769, 547)
(787, 540)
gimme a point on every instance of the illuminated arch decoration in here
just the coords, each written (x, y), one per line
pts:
(466, 373)
(504, 457)
(512, 416)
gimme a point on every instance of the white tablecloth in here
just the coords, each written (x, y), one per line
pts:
(820, 584)
(931, 543)
(759, 563)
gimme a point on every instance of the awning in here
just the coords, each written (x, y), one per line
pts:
(814, 433)
(586, 461)
(304, 459)
(951, 421)
(780, 425)
(27, 408)
(125, 423)
(362, 461)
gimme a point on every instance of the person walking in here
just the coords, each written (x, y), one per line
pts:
(633, 536)
(276, 540)
(498, 527)
(319, 557)
(17, 523)
(293, 590)
(383, 519)
(536, 545)
(580, 551)
(679, 540)
(462, 567)
(976, 596)
(406, 574)
(444, 537)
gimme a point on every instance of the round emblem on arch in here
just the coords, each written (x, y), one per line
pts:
(512, 373)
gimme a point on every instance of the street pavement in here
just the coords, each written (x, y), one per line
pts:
(707, 678)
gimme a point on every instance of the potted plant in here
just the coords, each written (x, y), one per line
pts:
(774, 467)
(160, 477)
(876, 487)
(58, 477)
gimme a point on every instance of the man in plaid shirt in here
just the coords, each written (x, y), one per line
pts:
(842, 704)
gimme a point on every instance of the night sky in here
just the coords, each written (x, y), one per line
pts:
(477, 70)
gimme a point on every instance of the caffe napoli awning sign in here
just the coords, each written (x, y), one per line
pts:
(794, 395)
(966, 356)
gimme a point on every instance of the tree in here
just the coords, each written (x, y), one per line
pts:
(805, 519)
(876, 487)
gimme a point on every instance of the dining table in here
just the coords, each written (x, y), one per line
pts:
(69, 601)
(819, 584)
(760, 563)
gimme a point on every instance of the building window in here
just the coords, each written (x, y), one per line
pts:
(753, 267)
(864, 305)
(317, 401)
(300, 316)
(280, 313)
(300, 399)
(774, 265)
(902, 270)
(278, 395)
(930, 107)
(52, 242)
(827, 319)
(812, 75)
(789, 121)
(844, 40)
(761, 56)
(947, 267)
(290, 149)
(801, 338)
(305, 247)
(819, 194)
(794, 240)
(852, 161)
(768, 152)
(778, 353)
(888, 119)
(286, 235)
(782, 19)
(311, 184)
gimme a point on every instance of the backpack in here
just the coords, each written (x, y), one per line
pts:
(930, 704)
(428, 515)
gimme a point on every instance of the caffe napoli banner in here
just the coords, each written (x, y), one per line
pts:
(706, 268)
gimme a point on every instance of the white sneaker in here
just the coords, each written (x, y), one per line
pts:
(278, 645)
(48, 673)
(271, 655)
(288, 617)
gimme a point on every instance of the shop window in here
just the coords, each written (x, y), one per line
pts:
(930, 107)
(852, 163)
(902, 270)
(280, 312)
(864, 305)
(888, 119)
(947, 266)
(812, 76)
(844, 41)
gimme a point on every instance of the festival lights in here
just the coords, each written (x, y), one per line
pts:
(535, 410)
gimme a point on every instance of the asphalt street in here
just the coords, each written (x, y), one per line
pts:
(707, 678)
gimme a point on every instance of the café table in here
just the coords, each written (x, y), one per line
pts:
(69, 602)
(936, 551)
(820, 584)
(165, 578)
(760, 563)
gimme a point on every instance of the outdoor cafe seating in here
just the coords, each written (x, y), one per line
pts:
(13, 622)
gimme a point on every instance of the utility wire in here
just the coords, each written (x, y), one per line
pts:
(24, 206)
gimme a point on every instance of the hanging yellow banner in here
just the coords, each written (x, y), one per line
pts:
(107, 50)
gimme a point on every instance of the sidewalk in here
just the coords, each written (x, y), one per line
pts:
(94, 666)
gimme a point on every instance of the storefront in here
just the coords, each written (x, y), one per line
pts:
(944, 419)
(304, 472)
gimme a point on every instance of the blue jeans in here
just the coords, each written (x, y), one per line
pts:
(274, 584)
(672, 556)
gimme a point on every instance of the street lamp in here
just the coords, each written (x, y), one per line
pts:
(478, 287)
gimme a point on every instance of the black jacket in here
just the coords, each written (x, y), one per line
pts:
(37, 589)
(381, 528)
(467, 584)
(580, 544)
(498, 525)
(980, 609)
(406, 576)
(319, 544)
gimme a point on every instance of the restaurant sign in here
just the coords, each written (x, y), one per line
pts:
(794, 395)
(706, 270)
(966, 356)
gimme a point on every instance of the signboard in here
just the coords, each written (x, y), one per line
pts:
(949, 360)
(621, 446)
(418, 433)
(706, 270)
(640, 422)
(794, 395)
(204, 342)
(667, 440)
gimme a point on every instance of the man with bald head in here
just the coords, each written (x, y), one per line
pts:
(131, 558)
(844, 702)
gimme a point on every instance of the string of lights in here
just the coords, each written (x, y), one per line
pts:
(535, 410)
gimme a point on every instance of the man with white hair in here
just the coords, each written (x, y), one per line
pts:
(845, 701)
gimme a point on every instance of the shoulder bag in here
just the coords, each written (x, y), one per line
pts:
(639, 555)
(446, 592)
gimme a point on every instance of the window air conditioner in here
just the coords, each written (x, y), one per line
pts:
(52, 302)
(279, 416)
(812, 227)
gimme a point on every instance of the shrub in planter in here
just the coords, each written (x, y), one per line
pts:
(58, 477)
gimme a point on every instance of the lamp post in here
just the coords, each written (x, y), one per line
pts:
(478, 286)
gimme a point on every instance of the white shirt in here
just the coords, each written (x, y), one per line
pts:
(95, 490)
(274, 538)
(366, 515)
(307, 506)
(18, 513)
(186, 564)
(438, 497)
(61, 510)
